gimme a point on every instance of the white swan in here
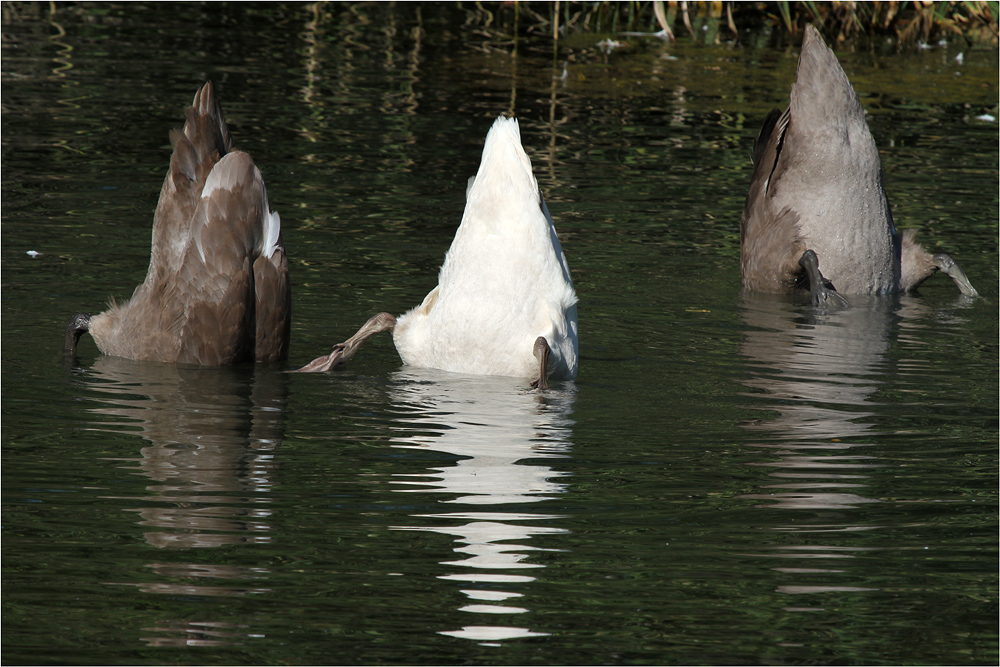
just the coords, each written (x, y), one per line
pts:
(505, 303)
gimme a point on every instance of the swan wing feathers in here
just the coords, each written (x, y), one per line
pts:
(234, 279)
(219, 332)
(273, 301)
(228, 223)
(203, 141)
(218, 274)
(770, 243)
(232, 284)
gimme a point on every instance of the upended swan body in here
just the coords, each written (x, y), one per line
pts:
(217, 289)
(504, 303)
(816, 199)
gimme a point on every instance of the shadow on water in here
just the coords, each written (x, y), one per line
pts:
(211, 435)
(505, 438)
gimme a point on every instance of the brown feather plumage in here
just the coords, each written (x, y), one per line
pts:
(213, 289)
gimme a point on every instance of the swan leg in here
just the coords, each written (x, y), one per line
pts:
(541, 352)
(823, 292)
(344, 351)
(79, 325)
(949, 266)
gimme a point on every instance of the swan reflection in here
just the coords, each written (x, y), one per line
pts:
(819, 374)
(505, 437)
(211, 437)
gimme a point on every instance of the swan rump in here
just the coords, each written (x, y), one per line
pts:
(217, 289)
(816, 213)
(504, 303)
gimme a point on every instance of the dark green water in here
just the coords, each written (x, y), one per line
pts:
(730, 480)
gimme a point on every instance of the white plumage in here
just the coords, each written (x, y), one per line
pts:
(504, 281)
(504, 285)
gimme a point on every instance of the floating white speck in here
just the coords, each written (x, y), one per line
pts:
(33, 253)
(986, 118)
(960, 58)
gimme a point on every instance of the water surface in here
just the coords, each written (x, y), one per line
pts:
(731, 479)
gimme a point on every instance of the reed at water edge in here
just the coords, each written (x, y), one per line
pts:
(910, 24)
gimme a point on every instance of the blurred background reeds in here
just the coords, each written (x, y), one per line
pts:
(909, 25)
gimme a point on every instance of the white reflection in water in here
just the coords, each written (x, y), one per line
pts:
(497, 426)
(492, 633)
(211, 435)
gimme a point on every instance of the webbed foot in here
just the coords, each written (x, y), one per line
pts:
(822, 291)
(541, 352)
(949, 266)
(344, 351)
